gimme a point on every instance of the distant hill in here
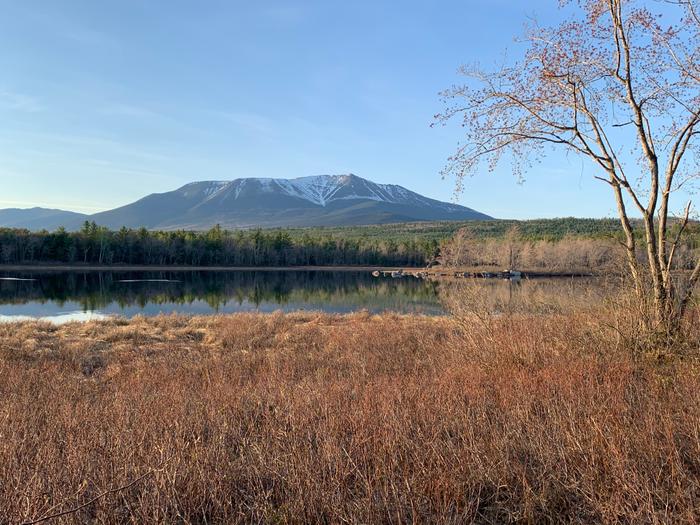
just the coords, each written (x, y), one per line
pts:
(40, 219)
(531, 229)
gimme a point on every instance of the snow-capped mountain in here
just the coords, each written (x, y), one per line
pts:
(323, 200)
(320, 190)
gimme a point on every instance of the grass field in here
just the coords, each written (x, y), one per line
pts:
(344, 419)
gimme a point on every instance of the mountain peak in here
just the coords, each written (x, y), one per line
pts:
(318, 200)
(320, 190)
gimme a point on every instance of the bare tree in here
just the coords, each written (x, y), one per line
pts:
(613, 85)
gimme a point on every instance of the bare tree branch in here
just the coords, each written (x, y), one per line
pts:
(613, 85)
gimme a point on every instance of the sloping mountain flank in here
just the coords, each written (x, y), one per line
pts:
(332, 200)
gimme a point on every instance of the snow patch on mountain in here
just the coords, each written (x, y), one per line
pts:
(320, 190)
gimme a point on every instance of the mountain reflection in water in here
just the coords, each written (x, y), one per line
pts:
(63, 296)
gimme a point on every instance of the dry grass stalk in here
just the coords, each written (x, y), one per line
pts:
(359, 418)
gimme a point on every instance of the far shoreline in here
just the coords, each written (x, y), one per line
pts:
(180, 268)
(415, 271)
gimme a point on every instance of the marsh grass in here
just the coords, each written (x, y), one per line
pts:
(358, 418)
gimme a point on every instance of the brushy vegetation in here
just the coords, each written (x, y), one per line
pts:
(359, 419)
(597, 251)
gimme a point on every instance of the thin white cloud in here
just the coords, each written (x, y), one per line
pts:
(286, 14)
(251, 122)
(128, 110)
(95, 143)
(19, 102)
(88, 37)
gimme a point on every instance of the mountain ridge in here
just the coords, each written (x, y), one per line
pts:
(320, 200)
(38, 218)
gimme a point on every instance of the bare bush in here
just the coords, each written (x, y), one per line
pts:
(570, 254)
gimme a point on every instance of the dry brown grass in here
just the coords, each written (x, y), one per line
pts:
(360, 419)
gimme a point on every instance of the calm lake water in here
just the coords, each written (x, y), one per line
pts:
(61, 296)
(78, 295)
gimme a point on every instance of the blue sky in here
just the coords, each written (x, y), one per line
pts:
(104, 102)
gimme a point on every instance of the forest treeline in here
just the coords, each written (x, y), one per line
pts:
(552, 244)
(95, 244)
(532, 230)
